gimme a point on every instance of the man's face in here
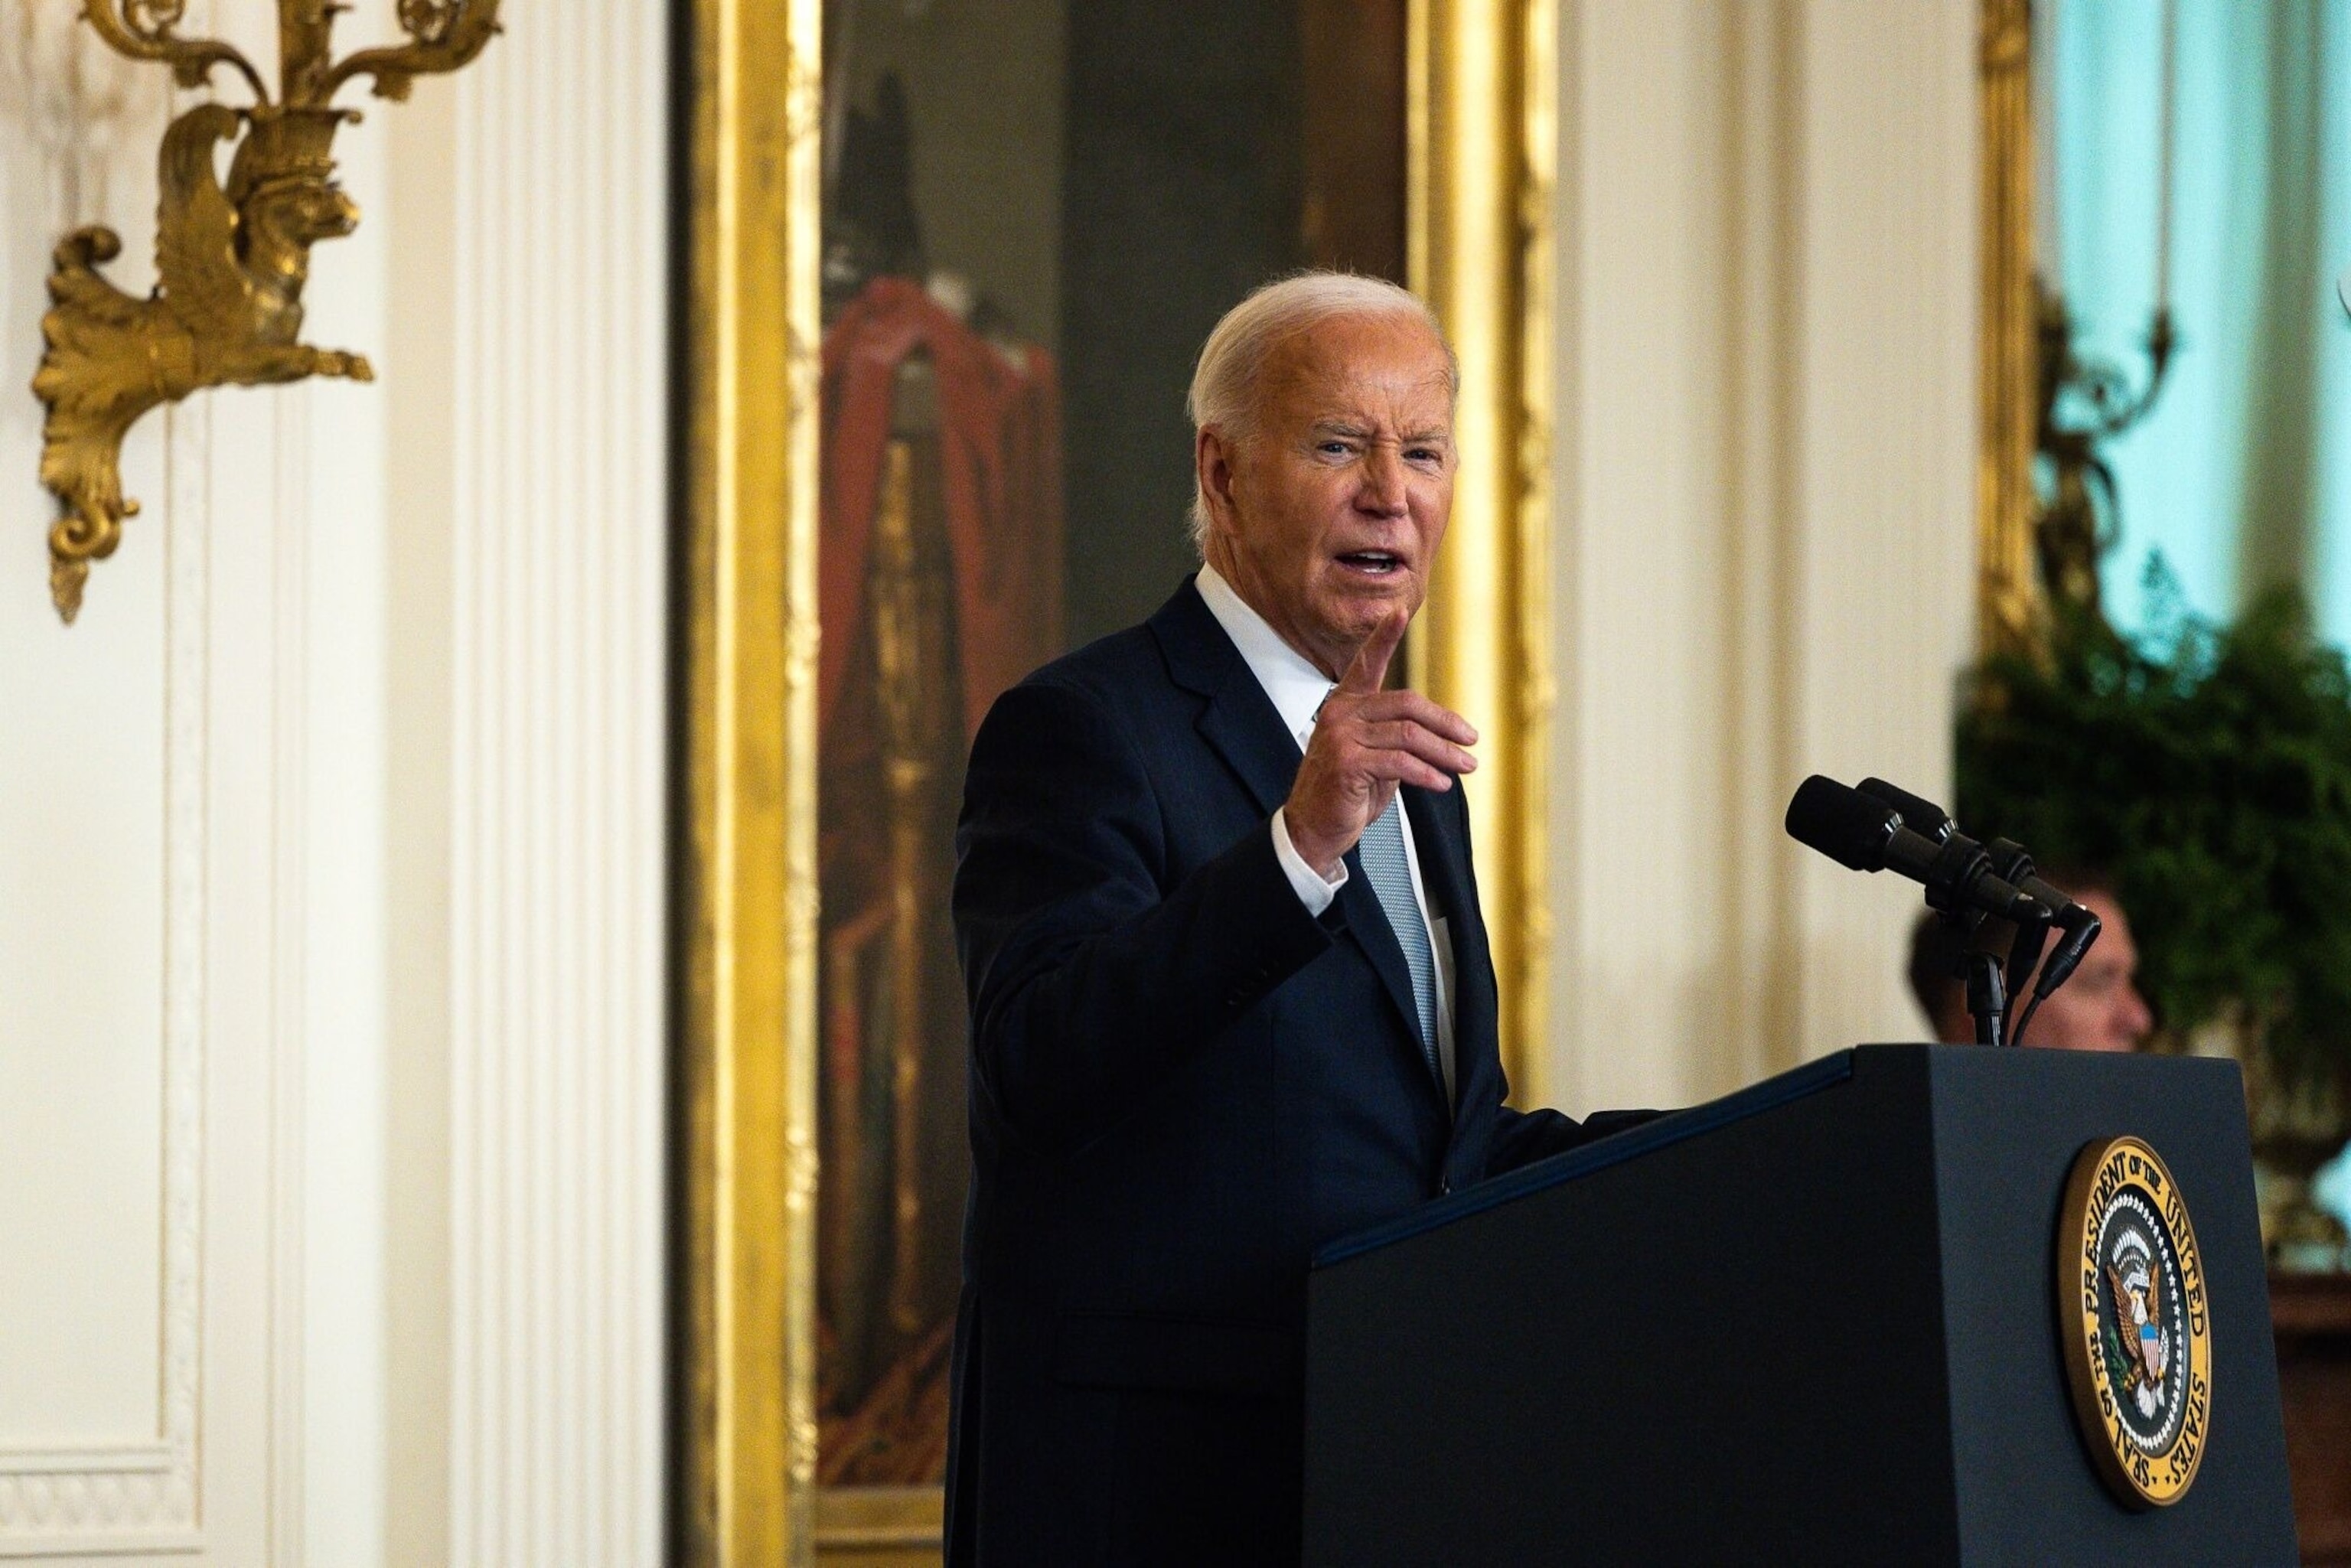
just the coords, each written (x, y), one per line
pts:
(2100, 1007)
(1326, 517)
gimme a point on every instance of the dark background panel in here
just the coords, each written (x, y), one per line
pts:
(1352, 96)
(1182, 190)
(1208, 147)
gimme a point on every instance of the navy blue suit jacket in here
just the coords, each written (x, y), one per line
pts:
(1181, 1084)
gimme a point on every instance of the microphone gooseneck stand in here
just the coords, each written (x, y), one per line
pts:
(1987, 996)
(1986, 891)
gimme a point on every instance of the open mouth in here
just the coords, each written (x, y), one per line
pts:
(1373, 562)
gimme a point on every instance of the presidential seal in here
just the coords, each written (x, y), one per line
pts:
(2135, 1322)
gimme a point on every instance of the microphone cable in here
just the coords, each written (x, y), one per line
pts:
(2025, 1019)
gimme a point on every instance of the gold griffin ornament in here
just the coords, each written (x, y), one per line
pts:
(230, 259)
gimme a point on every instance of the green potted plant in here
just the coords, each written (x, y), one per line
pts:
(2208, 769)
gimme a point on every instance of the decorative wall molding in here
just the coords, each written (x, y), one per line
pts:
(288, 596)
(556, 892)
(79, 103)
(142, 1495)
(273, 1354)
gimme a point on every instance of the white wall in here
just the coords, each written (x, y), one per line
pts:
(190, 983)
(1765, 466)
(330, 855)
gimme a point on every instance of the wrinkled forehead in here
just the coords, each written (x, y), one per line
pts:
(1389, 365)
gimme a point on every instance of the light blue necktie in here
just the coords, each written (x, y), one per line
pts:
(1382, 851)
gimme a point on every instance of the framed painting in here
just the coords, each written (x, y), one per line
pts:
(948, 266)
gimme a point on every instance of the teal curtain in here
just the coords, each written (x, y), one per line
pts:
(2241, 475)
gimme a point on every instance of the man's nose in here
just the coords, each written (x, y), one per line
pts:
(2136, 1010)
(1382, 493)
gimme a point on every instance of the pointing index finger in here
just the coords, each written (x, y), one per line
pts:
(1370, 669)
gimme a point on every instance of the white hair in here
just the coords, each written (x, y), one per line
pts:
(1224, 394)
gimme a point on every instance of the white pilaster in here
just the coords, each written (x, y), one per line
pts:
(558, 576)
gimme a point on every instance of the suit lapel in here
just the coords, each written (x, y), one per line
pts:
(1441, 873)
(1238, 720)
(1239, 723)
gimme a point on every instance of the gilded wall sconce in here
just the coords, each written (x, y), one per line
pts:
(230, 259)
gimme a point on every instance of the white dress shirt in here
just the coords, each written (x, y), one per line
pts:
(1297, 689)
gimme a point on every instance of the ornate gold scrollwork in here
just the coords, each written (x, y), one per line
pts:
(230, 259)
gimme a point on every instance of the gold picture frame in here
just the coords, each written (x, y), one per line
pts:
(1482, 126)
(2009, 606)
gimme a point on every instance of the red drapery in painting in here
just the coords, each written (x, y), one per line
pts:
(999, 429)
(997, 501)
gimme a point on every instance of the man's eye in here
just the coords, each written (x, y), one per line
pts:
(1334, 448)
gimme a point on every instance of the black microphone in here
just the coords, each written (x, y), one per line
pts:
(1920, 815)
(2010, 862)
(2080, 926)
(1867, 835)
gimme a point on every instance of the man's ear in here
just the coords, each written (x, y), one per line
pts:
(1213, 456)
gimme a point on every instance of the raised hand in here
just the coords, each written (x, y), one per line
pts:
(1366, 742)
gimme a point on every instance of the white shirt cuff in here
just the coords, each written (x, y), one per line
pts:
(1313, 889)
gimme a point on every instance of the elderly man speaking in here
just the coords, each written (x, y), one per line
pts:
(1230, 992)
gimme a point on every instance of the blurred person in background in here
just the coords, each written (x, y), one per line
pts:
(2099, 1009)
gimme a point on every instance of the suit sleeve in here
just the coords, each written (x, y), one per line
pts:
(1091, 975)
(1523, 1137)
